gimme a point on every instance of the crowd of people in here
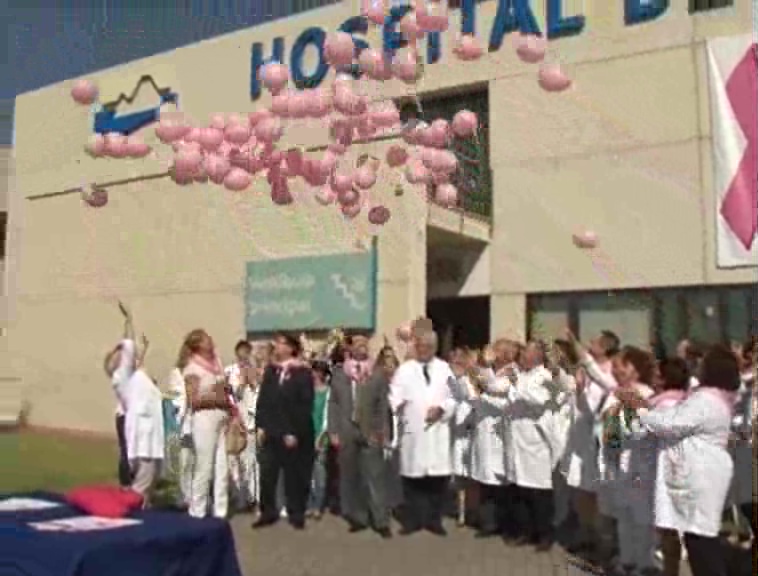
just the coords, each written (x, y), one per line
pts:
(642, 453)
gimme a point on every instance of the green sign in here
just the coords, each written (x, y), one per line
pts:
(313, 293)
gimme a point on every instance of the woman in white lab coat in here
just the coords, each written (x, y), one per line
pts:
(421, 397)
(699, 470)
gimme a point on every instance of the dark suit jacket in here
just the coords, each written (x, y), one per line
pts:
(372, 413)
(286, 408)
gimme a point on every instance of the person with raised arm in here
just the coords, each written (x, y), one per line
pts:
(700, 469)
(141, 403)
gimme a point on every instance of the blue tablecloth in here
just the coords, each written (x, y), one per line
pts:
(164, 544)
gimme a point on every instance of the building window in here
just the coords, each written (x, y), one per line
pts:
(705, 5)
(650, 318)
(474, 176)
(3, 233)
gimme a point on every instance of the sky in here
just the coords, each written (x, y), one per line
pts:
(53, 40)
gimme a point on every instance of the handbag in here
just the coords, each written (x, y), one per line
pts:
(236, 437)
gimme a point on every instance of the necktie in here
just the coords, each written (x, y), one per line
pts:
(425, 368)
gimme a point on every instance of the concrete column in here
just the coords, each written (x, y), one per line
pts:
(508, 316)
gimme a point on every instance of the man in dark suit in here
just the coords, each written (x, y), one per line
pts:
(285, 433)
(359, 427)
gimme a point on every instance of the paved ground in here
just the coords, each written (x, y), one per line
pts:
(326, 549)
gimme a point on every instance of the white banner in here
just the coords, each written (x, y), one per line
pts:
(733, 78)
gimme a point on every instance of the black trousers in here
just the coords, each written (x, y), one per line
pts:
(424, 501)
(297, 465)
(534, 512)
(124, 470)
(493, 508)
(706, 555)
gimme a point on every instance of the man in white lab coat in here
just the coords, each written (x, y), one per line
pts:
(421, 396)
(529, 461)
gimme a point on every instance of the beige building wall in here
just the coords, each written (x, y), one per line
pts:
(625, 152)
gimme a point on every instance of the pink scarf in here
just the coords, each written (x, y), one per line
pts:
(214, 367)
(358, 370)
(667, 399)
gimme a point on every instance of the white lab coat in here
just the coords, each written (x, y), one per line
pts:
(462, 424)
(692, 487)
(424, 449)
(143, 408)
(490, 434)
(529, 458)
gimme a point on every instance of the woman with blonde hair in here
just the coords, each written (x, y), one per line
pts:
(210, 402)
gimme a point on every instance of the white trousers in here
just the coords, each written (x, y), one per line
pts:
(636, 541)
(209, 442)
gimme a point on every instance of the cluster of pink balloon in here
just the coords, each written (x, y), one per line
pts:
(232, 150)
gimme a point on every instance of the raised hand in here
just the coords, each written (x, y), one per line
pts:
(124, 310)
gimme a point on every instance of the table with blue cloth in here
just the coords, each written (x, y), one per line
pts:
(163, 544)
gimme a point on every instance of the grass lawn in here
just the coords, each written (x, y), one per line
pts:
(45, 461)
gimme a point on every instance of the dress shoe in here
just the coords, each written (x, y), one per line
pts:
(544, 546)
(408, 530)
(520, 541)
(385, 533)
(297, 524)
(437, 530)
(355, 528)
(264, 522)
(482, 534)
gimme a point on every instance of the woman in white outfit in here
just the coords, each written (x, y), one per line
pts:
(210, 404)
(700, 467)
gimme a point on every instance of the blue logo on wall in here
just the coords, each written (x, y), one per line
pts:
(108, 120)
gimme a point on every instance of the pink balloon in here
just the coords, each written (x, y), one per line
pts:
(96, 197)
(385, 115)
(336, 148)
(365, 178)
(226, 149)
(350, 211)
(339, 49)
(237, 180)
(412, 135)
(84, 92)
(136, 148)
(298, 105)
(218, 121)
(210, 138)
(368, 60)
(319, 104)
(404, 332)
(585, 240)
(405, 67)
(341, 182)
(246, 160)
(446, 162)
(328, 163)
(280, 104)
(192, 135)
(530, 48)
(379, 215)
(552, 78)
(468, 48)
(440, 178)
(342, 132)
(115, 145)
(258, 116)
(216, 167)
(281, 195)
(183, 178)
(274, 77)
(95, 147)
(294, 159)
(416, 173)
(169, 131)
(200, 174)
(435, 21)
(187, 160)
(269, 130)
(237, 133)
(375, 11)
(409, 27)
(326, 196)
(465, 124)
(446, 195)
(365, 127)
(396, 156)
(347, 103)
